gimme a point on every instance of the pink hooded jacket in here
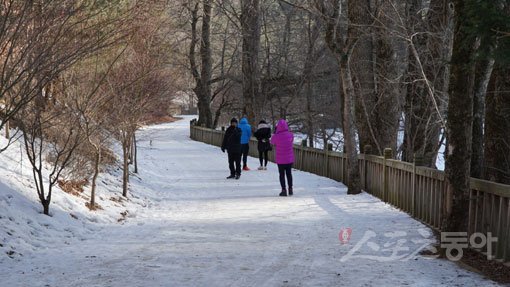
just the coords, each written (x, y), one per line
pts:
(283, 140)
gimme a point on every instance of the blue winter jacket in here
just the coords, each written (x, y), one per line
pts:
(246, 129)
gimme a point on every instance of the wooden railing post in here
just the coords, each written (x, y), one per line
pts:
(388, 154)
(417, 161)
(192, 130)
(345, 180)
(327, 151)
(302, 154)
(367, 151)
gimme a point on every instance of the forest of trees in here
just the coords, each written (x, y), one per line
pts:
(413, 76)
(77, 76)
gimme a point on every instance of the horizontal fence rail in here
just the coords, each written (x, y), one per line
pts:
(417, 190)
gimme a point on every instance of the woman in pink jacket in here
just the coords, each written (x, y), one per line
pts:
(283, 140)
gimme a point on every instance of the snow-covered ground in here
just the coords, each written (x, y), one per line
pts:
(24, 230)
(189, 226)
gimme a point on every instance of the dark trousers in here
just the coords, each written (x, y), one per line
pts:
(263, 157)
(234, 158)
(285, 170)
(245, 148)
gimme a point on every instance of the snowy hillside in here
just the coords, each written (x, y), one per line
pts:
(23, 228)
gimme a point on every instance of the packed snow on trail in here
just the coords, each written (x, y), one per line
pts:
(186, 225)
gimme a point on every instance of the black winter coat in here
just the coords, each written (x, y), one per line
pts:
(263, 134)
(232, 140)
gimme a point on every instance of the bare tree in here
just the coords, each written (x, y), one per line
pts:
(460, 120)
(91, 103)
(497, 124)
(51, 134)
(250, 26)
(41, 39)
(201, 73)
(342, 33)
(429, 37)
(140, 91)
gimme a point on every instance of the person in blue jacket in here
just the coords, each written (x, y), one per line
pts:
(245, 140)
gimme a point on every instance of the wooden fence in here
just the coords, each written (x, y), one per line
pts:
(417, 190)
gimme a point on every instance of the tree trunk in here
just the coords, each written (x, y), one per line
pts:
(203, 78)
(310, 61)
(204, 106)
(460, 122)
(363, 75)
(94, 179)
(45, 201)
(250, 13)
(217, 115)
(131, 152)
(125, 168)
(390, 62)
(354, 182)
(7, 130)
(421, 129)
(342, 46)
(135, 154)
(309, 119)
(204, 112)
(46, 207)
(497, 127)
(482, 81)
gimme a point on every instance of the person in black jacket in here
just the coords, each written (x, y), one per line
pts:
(232, 143)
(263, 134)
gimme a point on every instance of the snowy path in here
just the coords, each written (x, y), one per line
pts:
(203, 230)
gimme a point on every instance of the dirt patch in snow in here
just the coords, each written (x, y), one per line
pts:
(74, 187)
(160, 119)
(477, 262)
(492, 269)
